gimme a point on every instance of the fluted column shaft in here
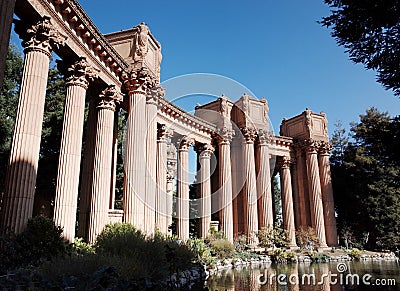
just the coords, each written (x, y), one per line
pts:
(327, 197)
(287, 202)
(265, 213)
(69, 161)
(87, 170)
(99, 204)
(161, 175)
(204, 153)
(134, 188)
(300, 168)
(71, 149)
(137, 83)
(316, 205)
(250, 189)
(182, 202)
(169, 202)
(20, 181)
(150, 171)
(225, 180)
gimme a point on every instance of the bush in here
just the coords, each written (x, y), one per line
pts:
(307, 238)
(200, 250)
(222, 248)
(240, 243)
(82, 248)
(282, 256)
(355, 253)
(270, 237)
(40, 241)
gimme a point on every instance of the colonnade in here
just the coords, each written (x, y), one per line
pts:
(307, 198)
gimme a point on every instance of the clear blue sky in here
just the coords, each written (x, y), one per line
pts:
(275, 48)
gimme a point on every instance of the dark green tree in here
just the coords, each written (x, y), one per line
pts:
(366, 181)
(8, 105)
(369, 31)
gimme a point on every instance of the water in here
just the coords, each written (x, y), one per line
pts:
(379, 275)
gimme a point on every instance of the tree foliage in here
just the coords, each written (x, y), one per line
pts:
(369, 31)
(366, 181)
(8, 105)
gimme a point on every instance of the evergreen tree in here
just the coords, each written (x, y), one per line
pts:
(366, 181)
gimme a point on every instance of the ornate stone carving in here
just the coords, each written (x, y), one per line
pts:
(163, 133)
(308, 121)
(171, 161)
(154, 93)
(265, 136)
(284, 163)
(249, 134)
(109, 98)
(142, 40)
(246, 103)
(80, 73)
(224, 135)
(310, 145)
(325, 148)
(43, 36)
(184, 143)
(325, 124)
(204, 150)
(224, 110)
(139, 79)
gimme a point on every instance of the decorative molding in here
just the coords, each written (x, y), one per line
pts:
(155, 93)
(109, 98)
(284, 163)
(184, 143)
(204, 150)
(324, 148)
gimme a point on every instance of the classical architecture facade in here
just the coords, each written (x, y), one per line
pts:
(237, 152)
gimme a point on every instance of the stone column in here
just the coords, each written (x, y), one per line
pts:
(151, 154)
(170, 201)
(265, 213)
(317, 210)
(327, 194)
(204, 152)
(99, 204)
(6, 17)
(71, 147)
(287, 201)
(87, 169)
(225, 181)
(250, 188)
(161, 174)
(22, 168)
(182, 200)
(137, 83)
(114, 162)
(300, 173)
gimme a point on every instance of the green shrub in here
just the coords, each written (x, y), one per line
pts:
(40, 241)
(200, 249)
(222, 248)
(355, 253)
(318, 257)
(269, 237)
(282, 256)
(80, 247)
(240, 243)
(307, 238)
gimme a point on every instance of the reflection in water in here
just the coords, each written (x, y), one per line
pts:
(380, 275)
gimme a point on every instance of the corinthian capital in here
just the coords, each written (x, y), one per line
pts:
(109, 98)
(184, 143)
(80, 73)
(284, 163)
(163, 133)
(265, 136)
(43, 36)
(310, 145)
(325, 148)
(154, 93)
(204, 150)
(224, 135)
(138, 79)
(249, 134)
